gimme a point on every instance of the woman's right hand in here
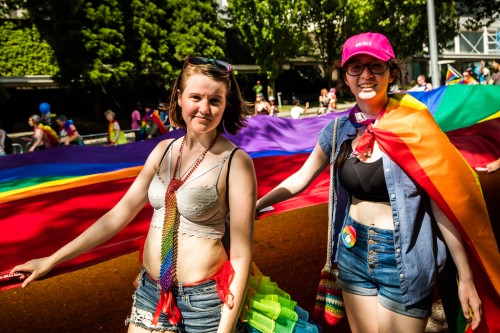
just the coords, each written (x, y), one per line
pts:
(33, 269)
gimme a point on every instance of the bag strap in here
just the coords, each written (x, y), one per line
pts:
(331, 194)
(227, 174)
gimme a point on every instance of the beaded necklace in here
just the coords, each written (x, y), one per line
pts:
(171, 220)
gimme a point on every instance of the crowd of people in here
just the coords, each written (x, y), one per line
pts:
(153, 123)
(388, 255)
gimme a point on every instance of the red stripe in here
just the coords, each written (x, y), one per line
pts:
(479, 144)
(27, 233)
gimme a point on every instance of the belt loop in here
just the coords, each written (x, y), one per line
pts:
(142, 279)
(180, 288)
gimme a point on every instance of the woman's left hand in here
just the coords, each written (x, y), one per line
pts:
(471, 304)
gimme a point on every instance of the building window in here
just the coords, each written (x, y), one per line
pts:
(471, 42)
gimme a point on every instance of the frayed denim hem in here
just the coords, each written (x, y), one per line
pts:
(142, 318)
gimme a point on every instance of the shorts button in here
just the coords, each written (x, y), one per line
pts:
(401, 276)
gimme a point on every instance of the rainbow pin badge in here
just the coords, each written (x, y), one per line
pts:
(348, 236)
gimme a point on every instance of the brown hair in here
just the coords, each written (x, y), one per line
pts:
(236, 108)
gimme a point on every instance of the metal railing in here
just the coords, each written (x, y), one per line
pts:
(101, 139)
(98, 139)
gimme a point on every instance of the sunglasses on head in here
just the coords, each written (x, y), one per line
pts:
(219, 64)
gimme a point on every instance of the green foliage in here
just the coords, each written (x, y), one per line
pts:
(113, 43)
(24, 52)
(480, 13)
(275, 30)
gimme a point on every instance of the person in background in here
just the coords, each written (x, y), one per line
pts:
(163, 110)
(188, 282)
(274, 108)
(68, 134)
(262, 107)
(332, 104)
(258, 89)
(468, 78)
(43, 136)
(296, 110)
(324, 101)
(3, 138)
(482, 72)
(152, 125)
(388, 252)
(115, 134)
(495, 77)
(135, 120)
(422, 84)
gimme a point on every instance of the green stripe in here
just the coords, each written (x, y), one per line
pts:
(466, 105)
(23, 183)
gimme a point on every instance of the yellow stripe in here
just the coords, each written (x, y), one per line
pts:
(493, 116)
(64, 184)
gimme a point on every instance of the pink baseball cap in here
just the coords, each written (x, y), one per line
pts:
(370, 43)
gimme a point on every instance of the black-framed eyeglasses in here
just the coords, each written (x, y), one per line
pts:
(219, 64)
(376, 67)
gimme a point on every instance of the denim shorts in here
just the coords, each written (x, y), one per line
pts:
(369, 268)
(200, 306)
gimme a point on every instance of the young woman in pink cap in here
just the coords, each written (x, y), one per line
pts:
(385, 205)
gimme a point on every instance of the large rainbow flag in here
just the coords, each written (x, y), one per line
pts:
(49, 197)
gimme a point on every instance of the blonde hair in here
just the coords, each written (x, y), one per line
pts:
(111, 112)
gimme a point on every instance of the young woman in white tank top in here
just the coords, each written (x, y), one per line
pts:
(191, 199)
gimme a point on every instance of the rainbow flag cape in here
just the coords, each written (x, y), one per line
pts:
(407, 132)
(49, 197)
(452, 76)
(50, 134)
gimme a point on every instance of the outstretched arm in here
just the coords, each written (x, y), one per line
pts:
(469, 299)
(103, 229)
(296, 183)
(493, 166)
(38, 139)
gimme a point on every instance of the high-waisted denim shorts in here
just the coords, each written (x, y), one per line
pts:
(200, 306)
(369, 268)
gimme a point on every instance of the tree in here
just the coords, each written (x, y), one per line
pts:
(328, 23)
(274, 30)
(24, 52)
(479, 13)
(112, 45)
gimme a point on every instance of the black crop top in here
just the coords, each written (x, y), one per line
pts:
(365, 181)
